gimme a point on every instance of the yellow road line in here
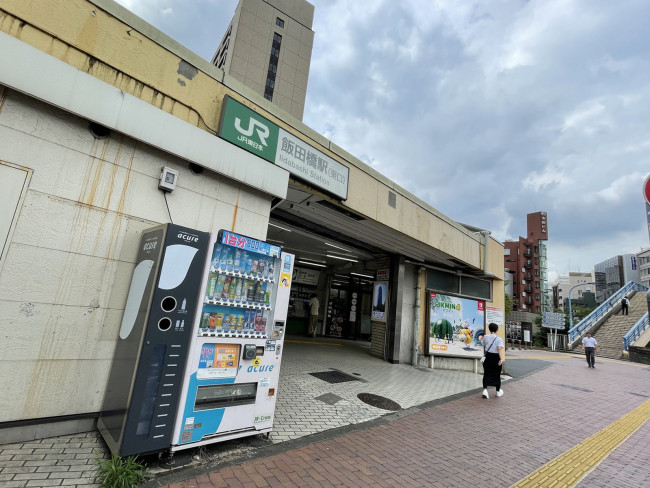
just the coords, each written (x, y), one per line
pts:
(569, 468)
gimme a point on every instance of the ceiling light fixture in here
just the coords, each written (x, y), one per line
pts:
(311, 264)
(337, 247)
(344, 259)
(364, 275)
(277, 226)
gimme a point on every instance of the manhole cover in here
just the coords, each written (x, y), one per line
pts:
(378, 401)
(333, 376)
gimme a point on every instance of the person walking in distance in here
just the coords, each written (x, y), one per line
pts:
(313, 314)
(590, 345)
(495, 356)
(625, 306)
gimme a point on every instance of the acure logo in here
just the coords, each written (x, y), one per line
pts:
(262, 130)
(188, 237)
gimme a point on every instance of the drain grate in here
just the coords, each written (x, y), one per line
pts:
(333, 376)
(329, 398)
(379, 401)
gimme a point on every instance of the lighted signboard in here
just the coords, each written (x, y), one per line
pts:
(456, 326)
(379, 297)
(249, 130)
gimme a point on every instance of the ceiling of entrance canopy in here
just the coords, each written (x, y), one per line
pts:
(316, 230)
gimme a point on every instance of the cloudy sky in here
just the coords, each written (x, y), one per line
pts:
(486, 110)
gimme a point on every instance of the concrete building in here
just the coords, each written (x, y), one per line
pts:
(613, 273)
(81, 152)
(584, 282)
(526, 260)
(267, 47)
(643, 263)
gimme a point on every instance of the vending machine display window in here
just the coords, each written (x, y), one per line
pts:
(240, 288)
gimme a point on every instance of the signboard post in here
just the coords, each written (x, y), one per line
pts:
(553, 321)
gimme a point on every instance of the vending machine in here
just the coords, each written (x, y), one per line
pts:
(230, 384)
(144, 384)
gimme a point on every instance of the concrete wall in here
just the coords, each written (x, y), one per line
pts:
(408, 314)
(86, 203)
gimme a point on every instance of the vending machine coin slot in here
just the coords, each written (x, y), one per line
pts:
(249, 351)
(259, 351)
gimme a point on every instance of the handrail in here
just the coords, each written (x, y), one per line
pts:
(635, 332)
(603, 309)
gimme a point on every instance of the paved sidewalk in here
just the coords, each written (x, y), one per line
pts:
(468, 441)
(444, 434)
(306, 406)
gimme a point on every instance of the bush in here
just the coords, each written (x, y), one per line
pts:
(118, 472)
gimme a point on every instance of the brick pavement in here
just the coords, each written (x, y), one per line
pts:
(444, 443)
(55, 461)
(469, 441)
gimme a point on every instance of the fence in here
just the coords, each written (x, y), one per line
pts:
(591, 319)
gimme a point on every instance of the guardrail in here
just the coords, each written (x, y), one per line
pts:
(602, 310)
(635, 332)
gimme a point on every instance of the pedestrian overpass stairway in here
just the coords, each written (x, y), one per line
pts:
(610, 334)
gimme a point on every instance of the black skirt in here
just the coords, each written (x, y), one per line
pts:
(492, 369)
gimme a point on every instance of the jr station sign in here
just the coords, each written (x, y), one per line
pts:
(249, 130)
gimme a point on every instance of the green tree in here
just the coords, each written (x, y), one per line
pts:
(540, 338)
(507, 305)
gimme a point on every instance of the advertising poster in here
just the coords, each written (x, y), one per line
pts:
(456, 326)
(218, 361)
(379, 297)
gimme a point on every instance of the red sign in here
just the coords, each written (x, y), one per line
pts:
(646, 189)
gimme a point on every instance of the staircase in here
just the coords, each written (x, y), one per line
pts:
(610, 334)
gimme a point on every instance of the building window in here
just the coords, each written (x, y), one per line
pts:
(279, 22)
(273, 65)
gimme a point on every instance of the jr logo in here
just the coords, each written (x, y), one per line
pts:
(262, 130)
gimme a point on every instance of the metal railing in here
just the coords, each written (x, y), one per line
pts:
(635, 332)
(591, 319)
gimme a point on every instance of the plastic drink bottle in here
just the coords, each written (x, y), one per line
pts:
(232, 289)
(237, 261)
(230, 259)
(212, 282)
(226, 286)
(216, 254)
(238, 290)
(223, 258)
(218, 290)
(250, 294)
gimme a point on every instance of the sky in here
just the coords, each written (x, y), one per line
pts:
(486, 110)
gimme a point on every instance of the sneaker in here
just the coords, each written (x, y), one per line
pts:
(499, 393)
(485, 393)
